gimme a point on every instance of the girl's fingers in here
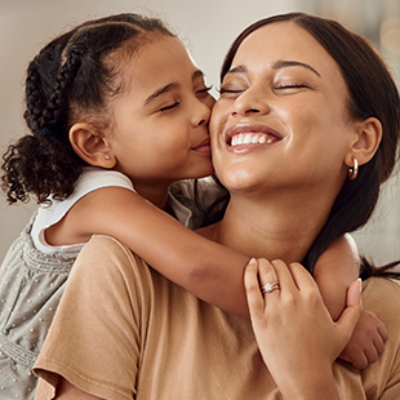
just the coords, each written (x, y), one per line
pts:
(379, 344)
(382, 330)
(371, 353)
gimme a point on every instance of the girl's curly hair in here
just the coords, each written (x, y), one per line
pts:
(75, 75)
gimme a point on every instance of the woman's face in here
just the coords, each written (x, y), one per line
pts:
(160, 133)
(281, 120)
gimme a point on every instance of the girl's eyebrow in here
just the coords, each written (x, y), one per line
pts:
(242, 69)
(159, 92)
(198, 73)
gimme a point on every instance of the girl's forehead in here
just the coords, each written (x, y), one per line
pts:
(155, 65)
(160, 56)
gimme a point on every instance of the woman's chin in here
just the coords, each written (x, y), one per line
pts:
(240, 182)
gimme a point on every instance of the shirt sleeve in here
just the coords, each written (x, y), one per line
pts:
(95, 339)
(205, 197)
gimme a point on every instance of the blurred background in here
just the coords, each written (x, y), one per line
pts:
(207, 27)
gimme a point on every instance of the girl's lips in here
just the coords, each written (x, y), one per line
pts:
(204, 147)
(253, 135)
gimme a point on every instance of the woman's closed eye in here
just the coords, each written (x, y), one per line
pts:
(230, 91)
(291, 86)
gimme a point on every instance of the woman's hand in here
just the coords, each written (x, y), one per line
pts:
(295, 333)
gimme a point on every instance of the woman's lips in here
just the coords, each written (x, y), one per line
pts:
(240, 136)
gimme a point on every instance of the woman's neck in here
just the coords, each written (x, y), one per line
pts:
(271, 228)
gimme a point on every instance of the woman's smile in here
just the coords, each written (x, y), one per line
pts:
(244, 137)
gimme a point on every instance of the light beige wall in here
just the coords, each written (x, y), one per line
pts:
(206, 26)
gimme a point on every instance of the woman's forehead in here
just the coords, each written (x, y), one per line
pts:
(282, 41)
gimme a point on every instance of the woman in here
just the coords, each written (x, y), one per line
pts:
(327, 104)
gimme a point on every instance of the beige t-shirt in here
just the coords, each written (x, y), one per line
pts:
(123, 331)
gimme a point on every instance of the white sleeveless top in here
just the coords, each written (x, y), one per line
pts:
(92, 178)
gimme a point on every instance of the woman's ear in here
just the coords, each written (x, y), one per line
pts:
(90, 146)
(368, 135)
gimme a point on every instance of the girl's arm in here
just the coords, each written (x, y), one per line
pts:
(334, 272)
(336, 269)
(209, 270)
(297, 338)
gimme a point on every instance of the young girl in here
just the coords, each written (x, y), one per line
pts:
(118, 112)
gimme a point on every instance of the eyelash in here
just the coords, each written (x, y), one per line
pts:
(170, 107)
(281, 87)
(222, 90)
(205, 90)
(295, 86)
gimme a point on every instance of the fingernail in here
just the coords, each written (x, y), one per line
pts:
(360, 283)
(253, 261)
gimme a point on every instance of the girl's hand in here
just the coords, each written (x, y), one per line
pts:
(367, 342)
(295, 333)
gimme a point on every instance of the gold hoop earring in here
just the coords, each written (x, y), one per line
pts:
(353, 171)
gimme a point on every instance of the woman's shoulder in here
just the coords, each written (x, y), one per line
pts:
(382, 296)
(373, 285)
(109, 250)
(104, 259)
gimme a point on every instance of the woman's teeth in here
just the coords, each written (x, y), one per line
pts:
(250, 138)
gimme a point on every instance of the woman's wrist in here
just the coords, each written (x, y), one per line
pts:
(314, 384)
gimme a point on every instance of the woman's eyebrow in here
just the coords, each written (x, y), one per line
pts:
(242, 69)
(284, 64)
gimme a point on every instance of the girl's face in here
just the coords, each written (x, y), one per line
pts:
(281, 120)
(160, 130)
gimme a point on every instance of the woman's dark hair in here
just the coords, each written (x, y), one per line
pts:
(74, 76)
(372, 93)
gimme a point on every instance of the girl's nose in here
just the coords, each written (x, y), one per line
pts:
(202, 112)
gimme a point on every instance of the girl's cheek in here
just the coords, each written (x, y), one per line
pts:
(211, 102)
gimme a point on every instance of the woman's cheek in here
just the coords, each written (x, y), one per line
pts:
(219, 118)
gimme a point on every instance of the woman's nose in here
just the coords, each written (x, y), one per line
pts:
(250, 102)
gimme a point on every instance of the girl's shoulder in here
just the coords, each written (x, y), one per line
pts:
(49, 214)
(93, 178)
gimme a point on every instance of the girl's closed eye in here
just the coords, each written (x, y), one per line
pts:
(170, 106)
(203, 91)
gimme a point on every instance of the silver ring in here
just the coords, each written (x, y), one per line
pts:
(270, 287)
